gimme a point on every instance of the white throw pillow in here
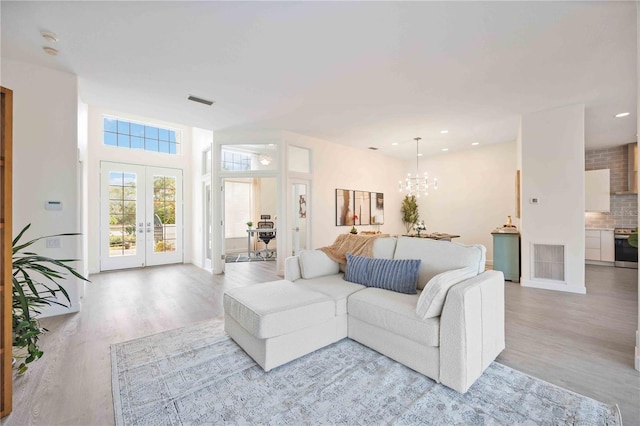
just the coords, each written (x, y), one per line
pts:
(432, 298)
(316, 263)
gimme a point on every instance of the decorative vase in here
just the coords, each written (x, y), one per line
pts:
(353, 231)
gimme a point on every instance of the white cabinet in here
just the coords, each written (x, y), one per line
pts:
(596, 190)
(607, 246)
(599, 245)
(592, 244)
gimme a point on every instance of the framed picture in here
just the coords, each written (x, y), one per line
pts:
(344, 207)
(377, 208)
(362, 208)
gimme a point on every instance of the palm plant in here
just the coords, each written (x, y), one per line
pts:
(35, 285)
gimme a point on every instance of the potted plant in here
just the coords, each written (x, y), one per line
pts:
(353, 228)
(409, 210)
(249, 224)
(35, 285)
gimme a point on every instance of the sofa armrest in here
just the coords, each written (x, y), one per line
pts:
(471, 329)
(292, 268)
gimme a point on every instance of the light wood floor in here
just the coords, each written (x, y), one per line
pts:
(583, 343)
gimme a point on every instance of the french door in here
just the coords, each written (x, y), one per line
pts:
(140, 216)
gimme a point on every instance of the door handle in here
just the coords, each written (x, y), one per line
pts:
(297, 229)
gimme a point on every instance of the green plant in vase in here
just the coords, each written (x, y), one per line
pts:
(409, 210)
(35, 286)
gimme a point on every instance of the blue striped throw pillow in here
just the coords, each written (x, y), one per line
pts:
(400, 275)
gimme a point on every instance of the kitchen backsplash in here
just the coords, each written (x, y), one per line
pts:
(624, 208)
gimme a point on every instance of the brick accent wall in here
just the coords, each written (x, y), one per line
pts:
(624, 208)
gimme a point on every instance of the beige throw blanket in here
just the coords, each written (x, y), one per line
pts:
(349, 243)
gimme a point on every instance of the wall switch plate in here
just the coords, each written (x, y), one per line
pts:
(534, 200)
(53, 242)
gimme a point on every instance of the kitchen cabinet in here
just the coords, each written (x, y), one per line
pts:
(599, 246)
(506, 255)
(597, 191)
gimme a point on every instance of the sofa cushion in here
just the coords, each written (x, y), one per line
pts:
(333, 286)
(384, 248)
(395, 312)
(389, 274)
(315, 263)
(440, 256)
(432, 298)
(275, 308)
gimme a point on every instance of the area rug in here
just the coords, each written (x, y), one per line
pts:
(197, 375)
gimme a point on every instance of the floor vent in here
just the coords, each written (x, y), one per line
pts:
(548, 262)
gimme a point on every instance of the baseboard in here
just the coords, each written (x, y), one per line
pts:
(598, 262)
(552, 286)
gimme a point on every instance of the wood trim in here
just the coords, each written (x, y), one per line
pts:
(6, 287)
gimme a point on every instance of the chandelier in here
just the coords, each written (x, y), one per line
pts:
(414, 185)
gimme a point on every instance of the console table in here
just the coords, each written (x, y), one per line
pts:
(435, 236)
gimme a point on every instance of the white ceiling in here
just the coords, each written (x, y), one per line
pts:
(356, 73)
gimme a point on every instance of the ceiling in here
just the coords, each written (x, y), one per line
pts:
(355, 73)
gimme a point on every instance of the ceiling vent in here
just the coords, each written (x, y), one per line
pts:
(373, 148)
(200, 100)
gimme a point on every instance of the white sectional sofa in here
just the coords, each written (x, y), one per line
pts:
(450, 330)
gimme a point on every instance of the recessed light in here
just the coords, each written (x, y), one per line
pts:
(445, 149)
(444, 131)
(420, 155)
(475, 143)
(622, 114)
(50, 50)
(394, 143)
(49, 36)
(272, 144)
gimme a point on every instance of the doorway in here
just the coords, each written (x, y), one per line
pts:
(251, 200)
(140, 216)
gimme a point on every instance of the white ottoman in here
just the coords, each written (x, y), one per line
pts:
(279, 321)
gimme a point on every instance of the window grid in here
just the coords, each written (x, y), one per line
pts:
(234, 161)
(132, 135)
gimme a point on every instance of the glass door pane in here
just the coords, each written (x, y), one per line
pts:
(300, 213)
(122, 216)
(122, 213)
(164, 213)
(164, 217)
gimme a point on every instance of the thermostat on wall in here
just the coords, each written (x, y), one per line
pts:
(53, 205)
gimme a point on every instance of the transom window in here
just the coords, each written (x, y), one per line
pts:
(132, 135)
(235, 161)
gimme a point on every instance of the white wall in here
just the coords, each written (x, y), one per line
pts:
(553, 171)
(45, 159)
(476, 193)
(99, 152)
(338, 166)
